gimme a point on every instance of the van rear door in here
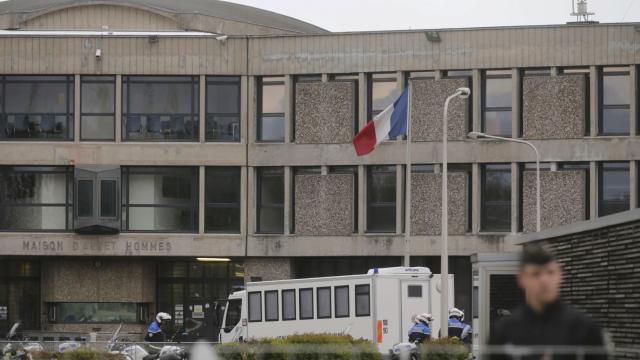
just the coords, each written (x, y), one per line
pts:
(415, 300)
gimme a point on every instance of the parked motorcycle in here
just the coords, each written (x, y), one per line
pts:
(405, 351)
(17, 348)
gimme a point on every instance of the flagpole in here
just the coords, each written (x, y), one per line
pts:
(407, 190)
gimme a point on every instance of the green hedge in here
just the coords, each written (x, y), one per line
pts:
(444, 349)
(79, 354)
(302, 347)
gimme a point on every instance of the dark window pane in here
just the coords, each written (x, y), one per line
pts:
(223, 98)
(108, 198)
(271, 220)
(324, 302)
(306, 304)
(616, 90)
(97, 127)
(615, 121)
(288, 304)
(271, 200)
(273, 98)
(98, 98)
(222, 193)
(234, 308)
(496, 198)
(381, 199)
(362, 300)
(112, 313)
(497, 123)
(414, 291)
(161, 98)
(498, 92)
(272, 128)
(221, 219)
(614, 188)
(33, 218)
(342, 301)
(271, 305)
(36, 97)
(223, 127)
(255, 306)
(85, 198)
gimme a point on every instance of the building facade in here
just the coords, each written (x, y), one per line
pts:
(156, 156)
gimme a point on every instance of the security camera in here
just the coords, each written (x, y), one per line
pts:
(222, 38)
(98, 54)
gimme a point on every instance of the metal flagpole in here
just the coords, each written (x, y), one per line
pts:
(407, 190)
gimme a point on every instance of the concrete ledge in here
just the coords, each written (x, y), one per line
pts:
(588, 225)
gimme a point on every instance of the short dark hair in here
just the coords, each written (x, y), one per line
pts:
(536, 254)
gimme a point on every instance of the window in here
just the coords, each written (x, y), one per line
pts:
(163, 199)
(160, 108)
(323, 294)
(363, 300)
(36, 198)
(36, 107)
(108, 198)
(271, 305)
(85, 198)
(271, 102)
(222, 194)
(615, 97)
(496, 197)
(271, 200)
(234, 311)
(496, 114)
(381, 199)
(97, 109)
(223, 108)
(341, 294)
(614, 188)
(306, 304)
(537, 72)
(414, 291)
(383, 91)
(309, 267)
(97, 313)
(288, 304)
(255, 306)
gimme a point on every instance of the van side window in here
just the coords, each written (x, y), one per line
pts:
(255, 306)
(288, 304)
(342, 301)
(414, 291)
(233, 313)
(306, 303)
(363, 300)
(271, 305)
(323, 294)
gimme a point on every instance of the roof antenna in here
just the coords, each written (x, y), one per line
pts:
(582, 15)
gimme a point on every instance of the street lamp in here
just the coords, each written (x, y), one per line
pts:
(444, 256)
(478, 135)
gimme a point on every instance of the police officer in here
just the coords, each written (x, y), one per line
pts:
(457, 327)
(156, 333)
(420, 331)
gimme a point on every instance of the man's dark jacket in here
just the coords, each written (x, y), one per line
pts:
(557, 325)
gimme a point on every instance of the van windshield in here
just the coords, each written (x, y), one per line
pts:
(233, 313)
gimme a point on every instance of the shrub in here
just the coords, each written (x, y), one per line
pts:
(444, 349)
(80, 354)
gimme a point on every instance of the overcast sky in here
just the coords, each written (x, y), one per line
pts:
(362, 15)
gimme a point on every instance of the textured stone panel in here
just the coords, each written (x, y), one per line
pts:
(553, 107)
(324, 112)
(267, 269)
(324, 204)
(427, 106)
(426, 203)
(562, 198)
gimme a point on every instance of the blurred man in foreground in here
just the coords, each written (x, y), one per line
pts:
(545, 320)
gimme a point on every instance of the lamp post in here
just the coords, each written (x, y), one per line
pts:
(444, 256)
(478, 135)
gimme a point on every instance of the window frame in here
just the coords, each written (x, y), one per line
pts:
(259, 293)
(487, 75)
(483, 205)
(69, 81)
(259, 203)
(295, 314)
(370, 171)
(318, 302)
(335, 295)
(224, 170)
(217, 80)
(266, 312)
(193, 81)
(601, 170)
(271, 81)
(367, 294)
(602, 74)
(309, 289)
(383, 77)
(82, 113)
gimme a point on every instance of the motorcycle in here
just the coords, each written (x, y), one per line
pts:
(405, 351)
(20, 351)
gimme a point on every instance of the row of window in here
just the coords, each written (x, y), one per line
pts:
(165, 199)
(305, 305)
(166, 108)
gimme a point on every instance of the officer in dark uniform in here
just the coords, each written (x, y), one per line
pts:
(545, 320)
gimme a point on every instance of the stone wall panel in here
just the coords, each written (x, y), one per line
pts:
(426, 203)
(427, 101)
(267, 269)
(324, 112)
(324, 204)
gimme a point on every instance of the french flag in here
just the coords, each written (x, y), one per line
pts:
(390, 123)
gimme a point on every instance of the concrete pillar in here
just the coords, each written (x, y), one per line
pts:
(201, 199)
(399, 197)
(633, 184)
(515, 197)
(244, 109)
(325, 77)
(593, 189)
(244, 200)
(252, 191)
(633, 108)
(76, 107)
(118, 109)
(515, 103)
(288, 108)
(288, 197)
(475, 197)
(252, 109)
(594, 99)
(555, 71)
(363, 99)
(324, 169)
(202, 109)
(362, 199)
(476, 93)
(437, 74)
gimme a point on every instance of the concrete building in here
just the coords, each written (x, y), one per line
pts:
(138, 136)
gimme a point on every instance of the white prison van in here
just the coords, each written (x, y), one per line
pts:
(377, 306)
